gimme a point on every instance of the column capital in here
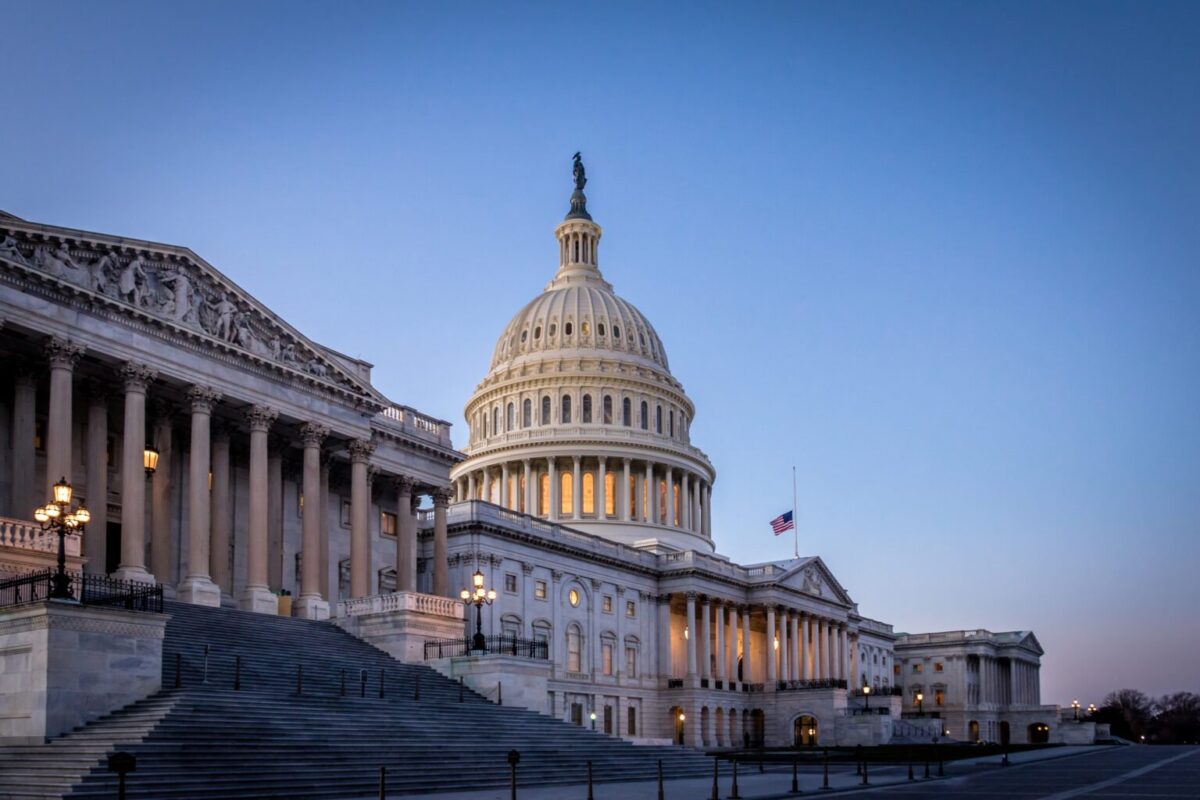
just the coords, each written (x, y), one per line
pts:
(663, 599)
(260, 418)
(137, 376)
(312, 434)
(203, 398)
(691, 596)
(441, 496)
(62, 352)
(361, 450)
(404, 484)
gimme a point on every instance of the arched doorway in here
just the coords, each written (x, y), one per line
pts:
(739, 670)
(719, 727)
(704, 727)
(678, 721)
(1004, 734)
(1039, 733)
(758, 721)
(804, 731)
(973, 731)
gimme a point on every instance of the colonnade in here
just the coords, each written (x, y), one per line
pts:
(798, 645)
(208, 528)
(575, 488)
(1005, 681)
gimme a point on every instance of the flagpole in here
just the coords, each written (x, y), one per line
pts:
(795, 519)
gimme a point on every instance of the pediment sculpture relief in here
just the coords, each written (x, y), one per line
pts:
(176, 291)
(812, 582)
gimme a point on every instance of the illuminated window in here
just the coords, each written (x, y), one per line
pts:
(573, 598)
(937, 666)
(606, 604)
(916, 669)
(630, 609)
(896, 669)
(678, 502)
(632, 495)
(662, 502)
(387, 523)
(566, 410)
(566, 486)
(584, 328)
(589, 493)
(574, 649)
(546, 410)
(527, 413)
(608, 409)
(610, 494)
(587, 408)
(539, 590)
(939, 697)
(544, 495)
(606, 657)
(626, 413)
(510, 583)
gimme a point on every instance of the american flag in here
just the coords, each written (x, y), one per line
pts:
(782, 523)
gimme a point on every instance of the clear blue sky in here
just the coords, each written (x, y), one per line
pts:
(941, 257)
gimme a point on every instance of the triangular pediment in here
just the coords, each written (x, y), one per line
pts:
(811, 576)
(177, 289)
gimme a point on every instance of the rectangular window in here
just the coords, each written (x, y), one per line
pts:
(610, 494)
(608, 720)
(896, 669)
(510, 583)
(606, 604)
(387, 523)
(589, 493)
(539, 590)
(916, 669)
(606, 656)
(630, 608)
(631, 719)
(630, 662)
(345, 513)
(510, 628)
(937, 666)
(939, 697)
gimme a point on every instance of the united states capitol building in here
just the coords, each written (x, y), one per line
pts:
(238, 463)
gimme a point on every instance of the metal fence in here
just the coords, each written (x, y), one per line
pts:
(816, 683)
(493, 645)
(88, 590)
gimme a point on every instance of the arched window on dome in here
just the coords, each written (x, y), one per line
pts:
(589, 493)
(671, 420)
(677, 505)
(546, 409)
(510, 417)
(544, 494)
(496, 421)
(485, 428)
(527, 413)
(587, 409)
(658, 419)
(566, 485)
(645, 421)
(566, 410)
(626, 412)
(600, 329)
(617, 333)
(607, 409)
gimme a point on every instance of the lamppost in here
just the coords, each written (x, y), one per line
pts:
(478, 597)
(920, 701)
(593, 717)
(1075, 709)
(1091, 712)
(61, 518)
(867, 695)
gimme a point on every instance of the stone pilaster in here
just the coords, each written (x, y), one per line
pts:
(406, 537)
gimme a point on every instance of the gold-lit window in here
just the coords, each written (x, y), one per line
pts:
(606, 604)
(544, 495)
(939, 697)
(937, 666)
(678, 501)
(916, 669)
(539, 590)
(387, 523)
(630, 608)
(589, 493)
(610, 494)
(896, 669)
(662, 502)
(566, 487)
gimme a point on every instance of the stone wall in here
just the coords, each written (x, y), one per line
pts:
(63, 665)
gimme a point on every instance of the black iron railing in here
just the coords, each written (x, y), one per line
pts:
(88, 590)
(816, 683)
(886, 691)
(493, 645)
(674, 683)
(882, 711)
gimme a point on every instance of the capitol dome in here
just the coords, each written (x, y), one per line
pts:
(579, 420)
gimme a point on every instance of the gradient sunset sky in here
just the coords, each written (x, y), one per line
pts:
(941, 257)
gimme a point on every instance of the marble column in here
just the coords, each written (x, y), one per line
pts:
(577, 489)
(275, 446)
(62, 355)
(133, 475)
(95, 540)
(601, 493)
(197, 586)
(692, 636)
(706, 512)
(162, 561)
(719, 609)
(623, 498)
(747, 650)
(310, 604)
(696, 516)
(441, 556)
(830, 654)
(650, 502)
(734, 644)
(819, 649)
(703, 642)
(24, 454)
(406, 536)
(668, 514)
(327, 591)
(528, 494)
(555, 489)
(472, 493)
(487, 485)
(220, 513)
(664, 636)
(685, 510)
(770, 650)
(257, 596)
(805, 669)
(785, 645)
(360, 518)
(505, 486)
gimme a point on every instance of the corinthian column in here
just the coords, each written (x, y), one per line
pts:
(310, 604)
(441, 576)
(220, 516)
(406, 537)
(24, 432)
(161, 545)
(257, 594)
(692, 636)
(360, 519)
(133, 475)
(772, 654)
(95, 545)
(198, 587)
(62, 356)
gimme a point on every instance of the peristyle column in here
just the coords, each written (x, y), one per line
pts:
(62, 355)
(197, 586)
(691, 636)
(406, 537)
(94, 545)
(703, 643)
(133, 475)
(257, 595)
(441, 567)
(220, 516)
(719, 609)
(360, 518)
(24, 440)
(310, 604)
(770, 648)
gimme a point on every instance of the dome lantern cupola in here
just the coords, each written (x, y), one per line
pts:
(578, 239)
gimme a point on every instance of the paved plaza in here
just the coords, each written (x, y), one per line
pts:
(1059, 774)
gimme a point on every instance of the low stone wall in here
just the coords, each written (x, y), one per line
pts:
(63, 665)
(401, 623)
(519, 681)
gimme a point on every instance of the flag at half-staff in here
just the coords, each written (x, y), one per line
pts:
(784, 522)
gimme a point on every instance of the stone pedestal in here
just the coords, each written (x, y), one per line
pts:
(259, 599)
(63, 665)
(400, 623)
(200, 591)
(311, 607)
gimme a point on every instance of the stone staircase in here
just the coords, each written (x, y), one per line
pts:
(206, 739)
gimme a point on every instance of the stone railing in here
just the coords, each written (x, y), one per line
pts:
(611, 433)
(414, 422)
(23, 535)
(401, 601)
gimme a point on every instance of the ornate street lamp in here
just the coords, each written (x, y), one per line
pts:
(150, 460)
(60, 517)
(1075, 709)
(1091, 709)
(920, 701)
(867, 695)
(593, 716)
(479, 596)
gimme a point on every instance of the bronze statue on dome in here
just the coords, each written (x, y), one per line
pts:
(579, 172)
